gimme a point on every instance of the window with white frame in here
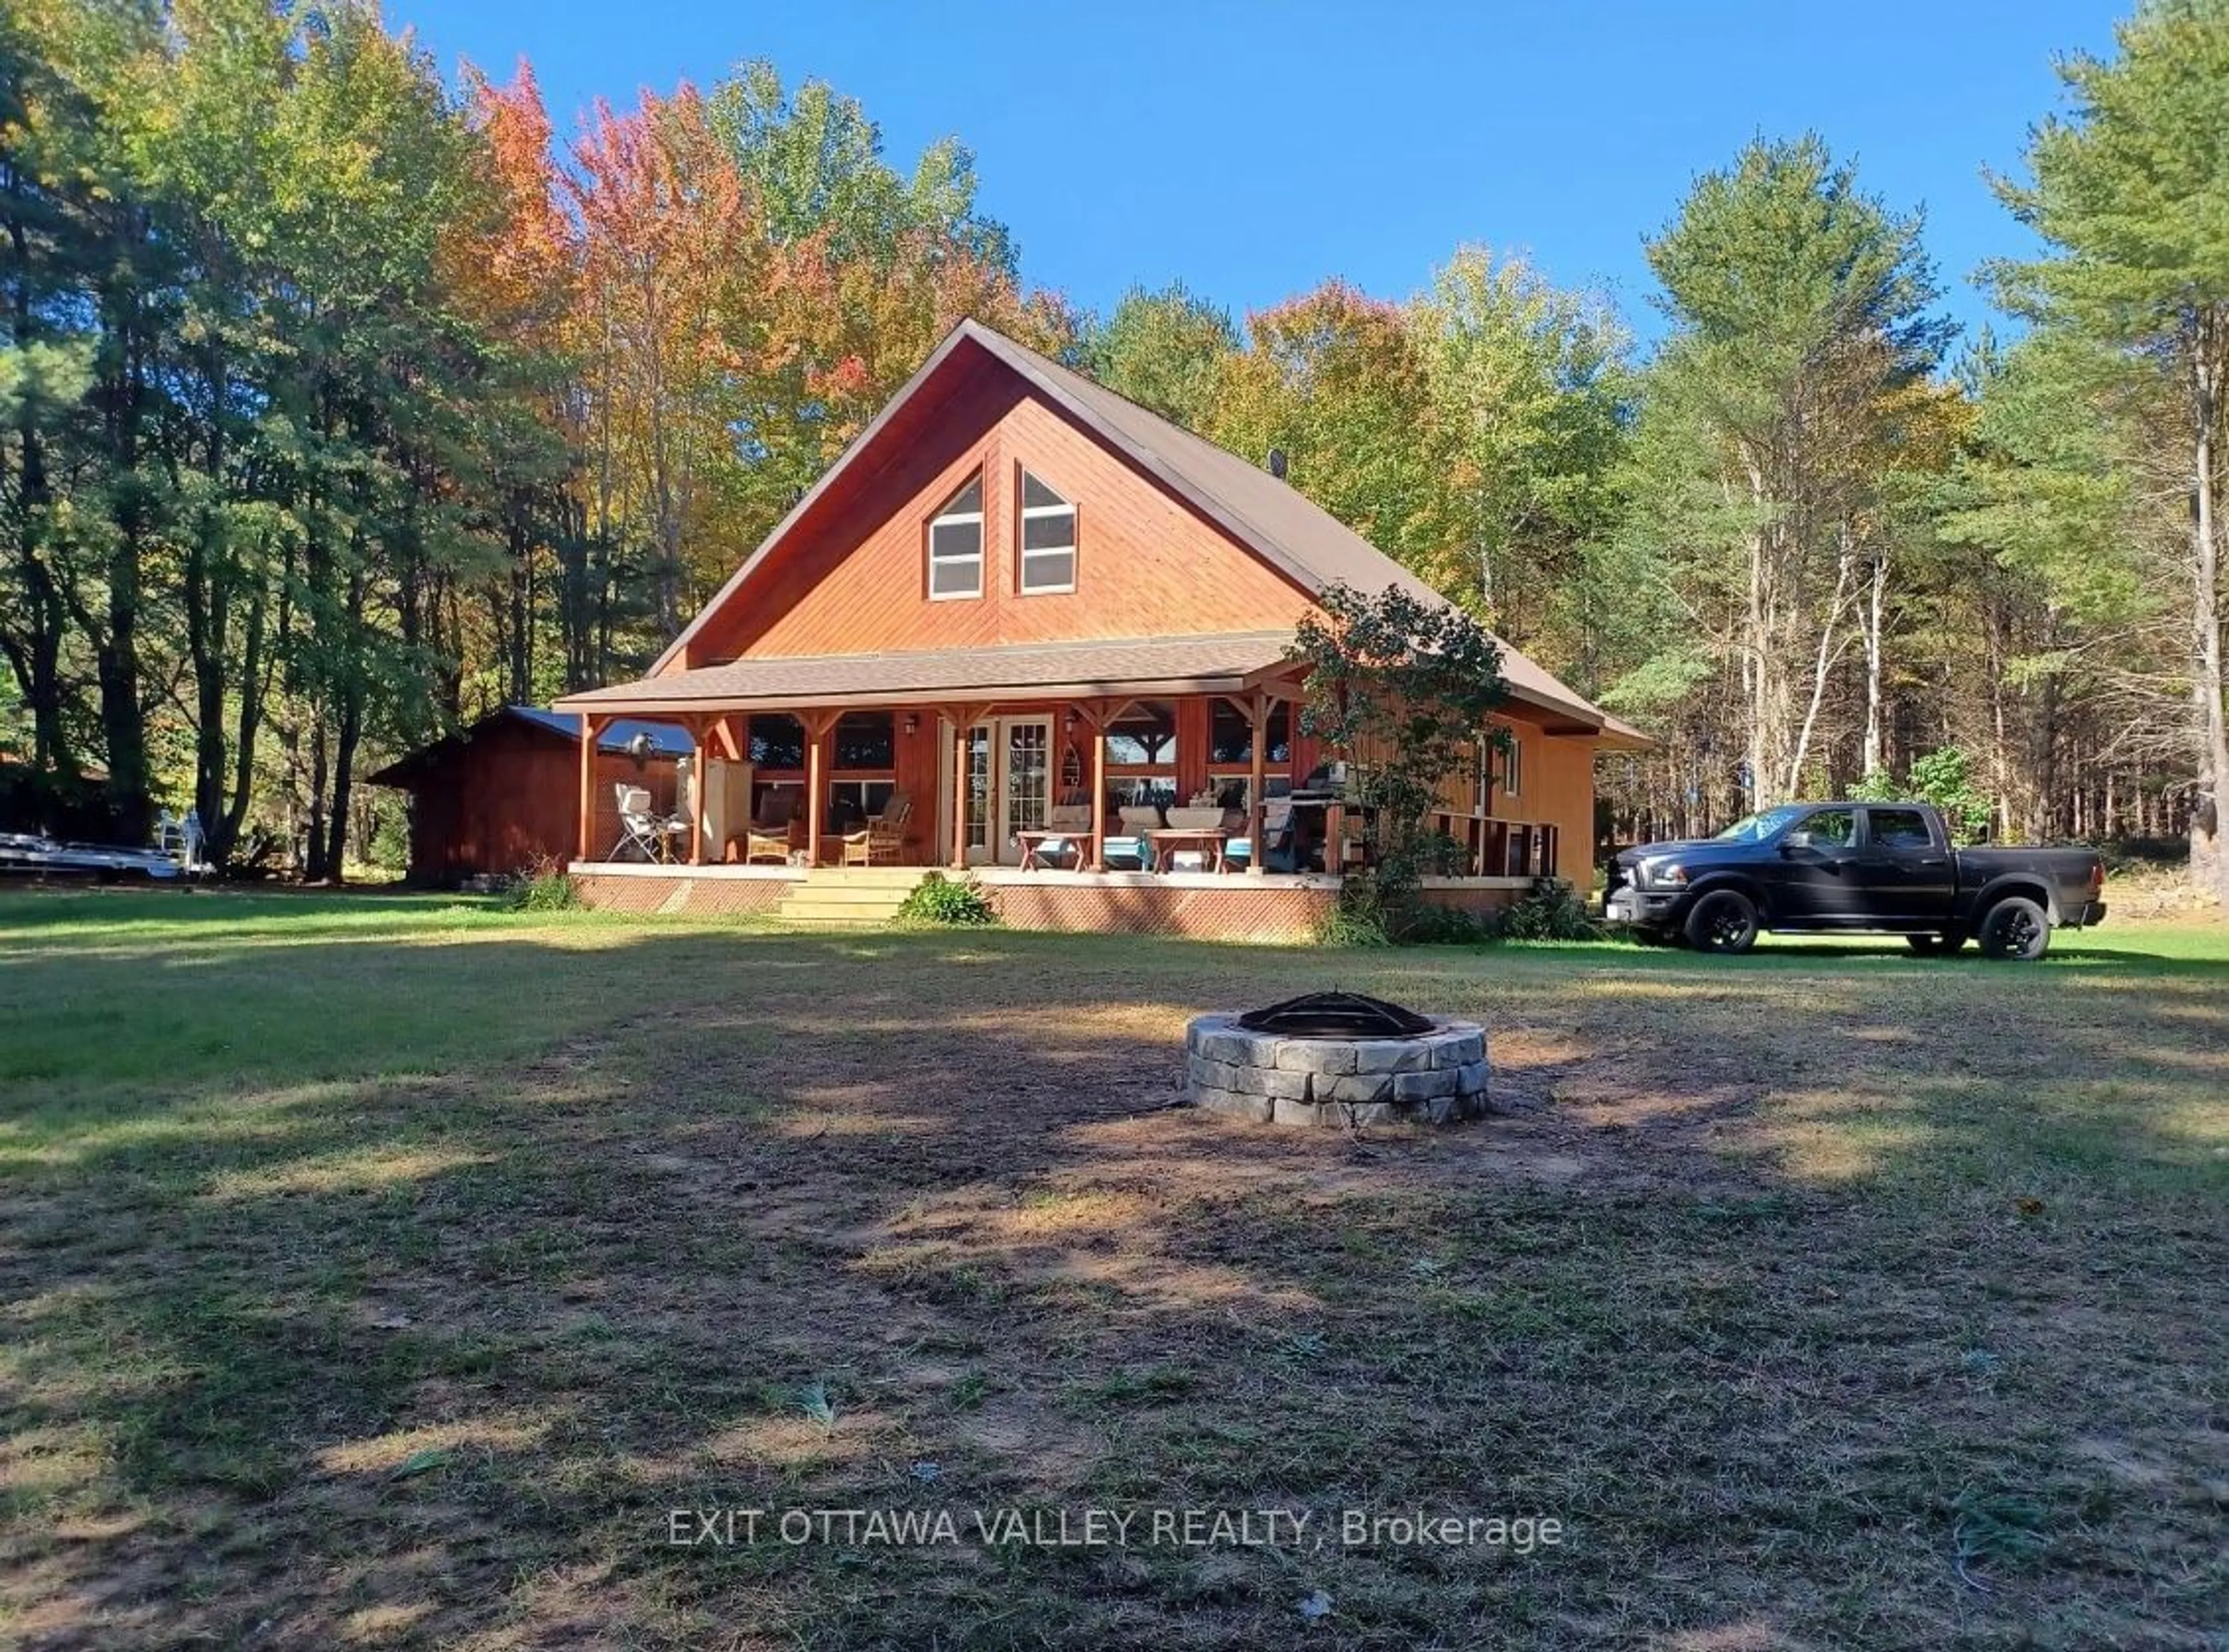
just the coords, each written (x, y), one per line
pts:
(1512, 763)
(955, 545)
(1048, 539)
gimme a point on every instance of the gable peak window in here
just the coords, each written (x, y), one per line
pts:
(1048, 539)
(955, 545)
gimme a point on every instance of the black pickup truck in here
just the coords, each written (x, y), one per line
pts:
(1852, 868)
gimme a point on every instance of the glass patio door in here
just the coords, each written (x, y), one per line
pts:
(980, 749)
(1026, 795)
(1009, 785)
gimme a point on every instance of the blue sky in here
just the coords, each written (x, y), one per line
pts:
(1254, 150)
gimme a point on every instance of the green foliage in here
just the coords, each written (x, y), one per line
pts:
(1359, 916)
(1402, 689)
(1167, 351)
(1941, 778)
(1336, 380)
(2131, 187)
(1782, 259)
(2046, 485)
(388, 848)
(1532, 395)
(815, 159)
(942, 903)
(1791, 390)
(1550, 910)
(1434, 925)
(542, 887)
(2130, 192)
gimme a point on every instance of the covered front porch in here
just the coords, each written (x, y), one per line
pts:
(1097, 783)
(1021, 756)
(1155, 758)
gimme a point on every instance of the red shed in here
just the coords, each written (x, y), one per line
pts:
(506, 792)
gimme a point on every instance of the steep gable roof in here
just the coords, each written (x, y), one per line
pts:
(1276, 521)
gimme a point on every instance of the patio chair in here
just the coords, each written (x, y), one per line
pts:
(1279, 833)
(766, 837)
(1128, 849)
(643, 831)
(880, 842)
(1064, 853)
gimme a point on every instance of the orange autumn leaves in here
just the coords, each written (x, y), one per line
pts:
(715, 361)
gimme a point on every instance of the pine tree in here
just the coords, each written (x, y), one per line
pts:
(2131, 190)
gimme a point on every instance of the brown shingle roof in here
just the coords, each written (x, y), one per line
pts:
(1198, 664)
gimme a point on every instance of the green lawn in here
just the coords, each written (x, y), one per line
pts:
(385, 1271)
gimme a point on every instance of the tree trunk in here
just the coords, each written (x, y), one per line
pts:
(37, 654)
(313, 846)
(2209, 862)
(1876, 603)
(123, 721)
(335, 855)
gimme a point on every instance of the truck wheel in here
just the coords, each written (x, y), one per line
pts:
(2015, 928)
(1929, 946)
(1722, 921)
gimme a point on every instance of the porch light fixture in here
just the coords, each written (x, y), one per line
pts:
(1068, 722)
(913, 723)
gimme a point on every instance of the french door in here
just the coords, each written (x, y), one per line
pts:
(1026, 795)
(1009, 783)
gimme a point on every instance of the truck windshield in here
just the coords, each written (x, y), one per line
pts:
(1756, 828)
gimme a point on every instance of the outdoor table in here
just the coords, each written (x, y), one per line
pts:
(1169, 839)
(1033, 844)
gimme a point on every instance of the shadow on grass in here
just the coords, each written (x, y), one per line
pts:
(1765, 1270)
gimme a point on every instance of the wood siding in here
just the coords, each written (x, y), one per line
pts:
(1147, 565)
(511, 797)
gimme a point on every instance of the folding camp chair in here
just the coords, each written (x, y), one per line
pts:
(643, 834)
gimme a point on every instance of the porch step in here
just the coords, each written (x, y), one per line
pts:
(849, 897)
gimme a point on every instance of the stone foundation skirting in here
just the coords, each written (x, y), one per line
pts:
(1440, 1077)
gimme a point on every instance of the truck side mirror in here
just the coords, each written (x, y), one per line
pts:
(1795, 842)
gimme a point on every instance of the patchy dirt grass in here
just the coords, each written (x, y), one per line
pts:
(386, 1274)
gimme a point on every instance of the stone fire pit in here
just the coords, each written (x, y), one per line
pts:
(1337, 1059)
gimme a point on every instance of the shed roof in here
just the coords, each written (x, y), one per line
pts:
(666, 740)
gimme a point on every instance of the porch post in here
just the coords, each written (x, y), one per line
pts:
(1098, 727)
(700, 734)
(959, 715)
(1257, 806)
(591, 726)
(816, 725)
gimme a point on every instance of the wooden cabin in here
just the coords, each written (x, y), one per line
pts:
(505, 794)
(1018, 593)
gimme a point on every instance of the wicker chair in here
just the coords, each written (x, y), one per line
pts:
(767, 837)
(880, 842)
